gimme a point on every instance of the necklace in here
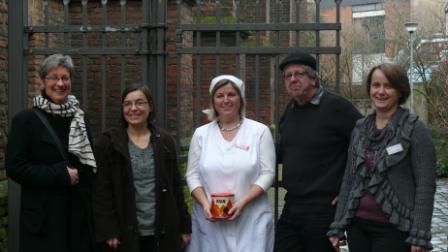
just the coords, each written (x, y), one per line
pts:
(231, 128)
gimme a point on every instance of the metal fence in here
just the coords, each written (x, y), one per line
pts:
(175, 47)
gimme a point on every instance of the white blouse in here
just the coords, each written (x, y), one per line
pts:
(252, 148)
(233, 166)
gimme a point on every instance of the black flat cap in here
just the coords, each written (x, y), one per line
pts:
(298, 58)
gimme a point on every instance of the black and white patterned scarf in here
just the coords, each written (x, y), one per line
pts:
(78, 141)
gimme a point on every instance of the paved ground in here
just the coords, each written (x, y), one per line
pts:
(440, 216)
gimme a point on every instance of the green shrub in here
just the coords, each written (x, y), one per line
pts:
(212, 20)
(442, 169)
(187, 195)
(440, 138)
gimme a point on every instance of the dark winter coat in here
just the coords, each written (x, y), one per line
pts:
(54, 215)
(402, 183)
(114, 193)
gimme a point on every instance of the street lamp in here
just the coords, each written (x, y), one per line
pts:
(411, 27)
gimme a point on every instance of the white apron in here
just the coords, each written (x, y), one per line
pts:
(232, 167)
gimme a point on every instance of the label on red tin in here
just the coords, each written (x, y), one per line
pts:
(221, 204)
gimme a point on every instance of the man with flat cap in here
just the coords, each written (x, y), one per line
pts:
(315, 133)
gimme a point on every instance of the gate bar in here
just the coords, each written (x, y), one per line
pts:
(16, 102)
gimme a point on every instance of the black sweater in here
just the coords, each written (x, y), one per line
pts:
(313, 149)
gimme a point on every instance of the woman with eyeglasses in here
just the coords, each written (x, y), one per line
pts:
(49, 153)
(138, 193)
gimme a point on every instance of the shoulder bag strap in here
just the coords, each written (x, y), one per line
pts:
(50, 129)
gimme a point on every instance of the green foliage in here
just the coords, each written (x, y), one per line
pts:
(442, 169)
(183, 170)
(437, 93)
(212, 20)
(188, 198)
(440, 138)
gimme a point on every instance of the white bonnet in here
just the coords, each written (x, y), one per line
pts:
(235, 80)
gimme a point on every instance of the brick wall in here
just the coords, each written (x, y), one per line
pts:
(94, 63)
(36, 17)
(34, 84)
(186, 99)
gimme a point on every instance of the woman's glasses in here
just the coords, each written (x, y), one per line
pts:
(57, 78)
(138, 104)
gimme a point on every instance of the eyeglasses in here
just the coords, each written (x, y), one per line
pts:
(297, 75)
(57, 78)
(138, 104)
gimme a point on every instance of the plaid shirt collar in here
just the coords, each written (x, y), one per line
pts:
(316, 98)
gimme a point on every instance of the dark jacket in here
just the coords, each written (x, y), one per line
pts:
(54, 216)
(403, 183)
(114, 195)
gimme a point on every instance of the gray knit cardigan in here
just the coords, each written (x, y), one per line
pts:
(403, 183)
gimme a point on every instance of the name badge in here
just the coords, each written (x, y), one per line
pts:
(242, 146)
(394, 149)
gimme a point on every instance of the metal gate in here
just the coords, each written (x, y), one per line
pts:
(112, 43)
(248, 39)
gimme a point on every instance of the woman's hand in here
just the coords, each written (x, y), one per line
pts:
(113, 242)
(334, 240)
(335, 201)
(236, 210)
(185, 239)
(415, 248)
(74, 177)
(199, 195)
(254, 192)
(207, 213)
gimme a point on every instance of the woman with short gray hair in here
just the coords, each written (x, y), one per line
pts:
(49, 153)
(54, 61)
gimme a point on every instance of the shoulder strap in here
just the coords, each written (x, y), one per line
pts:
(50, 129)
